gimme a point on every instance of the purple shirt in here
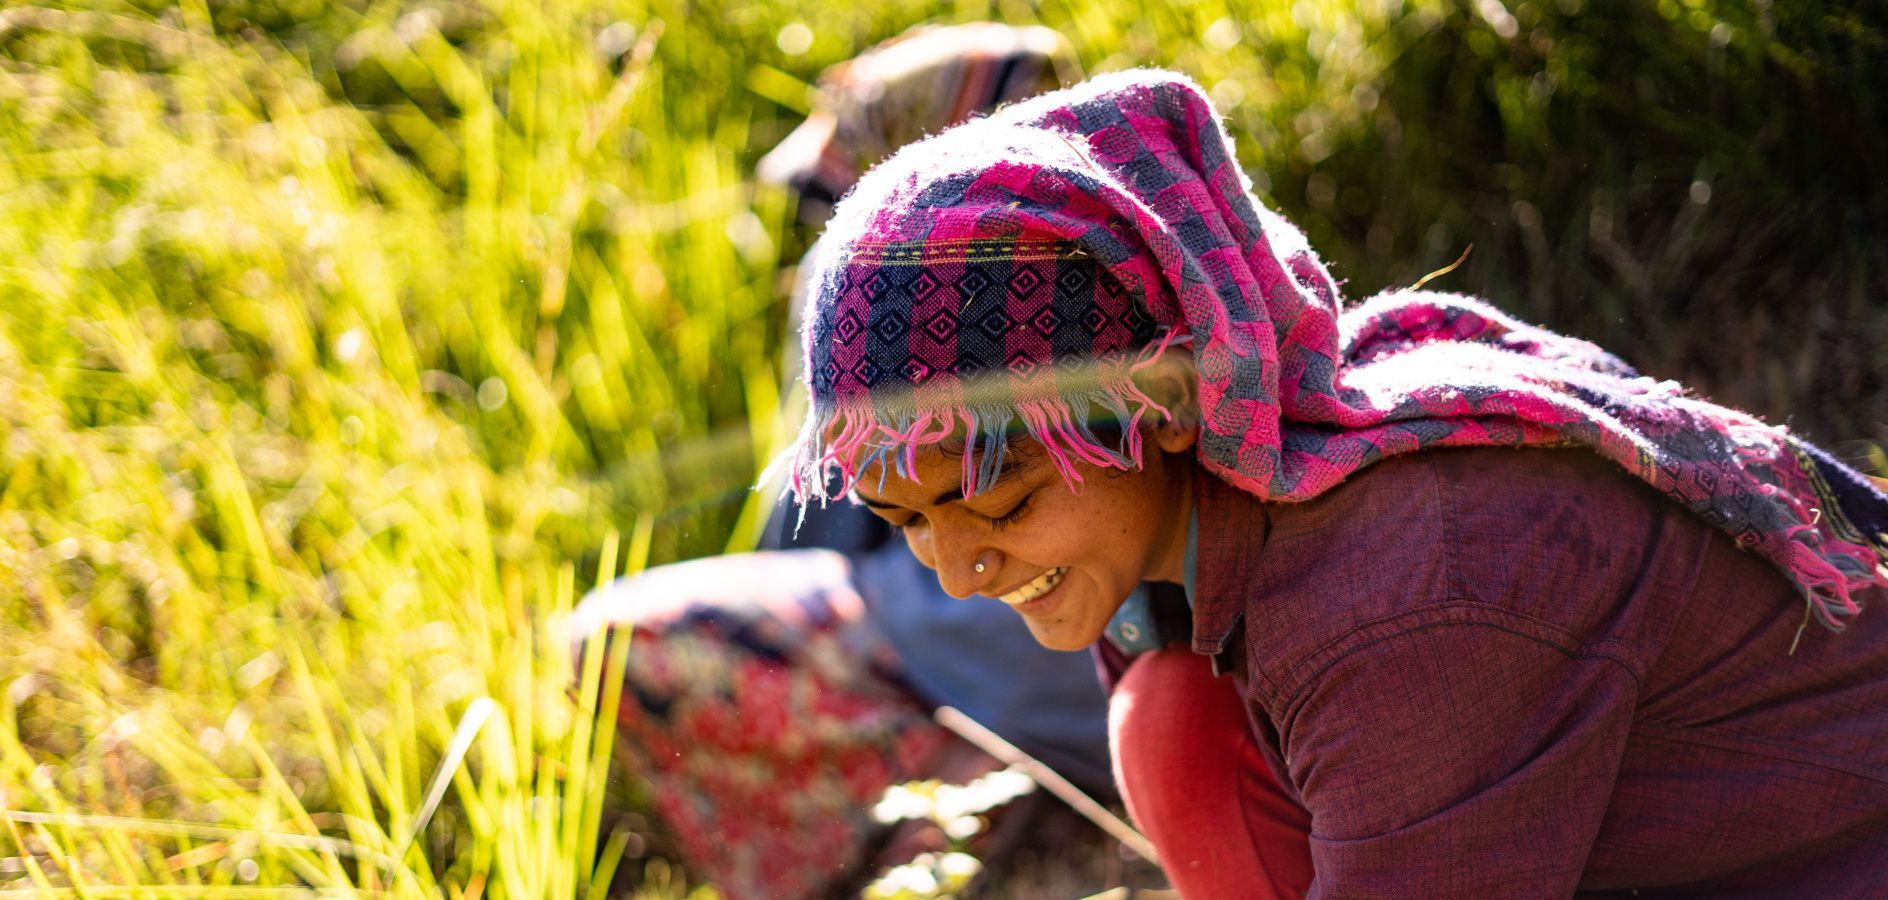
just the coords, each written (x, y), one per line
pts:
(1522, 673)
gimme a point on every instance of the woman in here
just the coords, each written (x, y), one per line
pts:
(773, 697)
(1065, 351)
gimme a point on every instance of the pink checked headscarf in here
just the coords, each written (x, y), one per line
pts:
(1012, 273)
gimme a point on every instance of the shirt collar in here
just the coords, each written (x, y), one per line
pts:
(1193, 551)
(1135, 629)
(1225, 543)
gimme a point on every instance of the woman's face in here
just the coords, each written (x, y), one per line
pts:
(1064, 559)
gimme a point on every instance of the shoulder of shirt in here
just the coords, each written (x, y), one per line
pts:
(1490, 536)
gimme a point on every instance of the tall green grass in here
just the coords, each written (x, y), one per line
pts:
(337, 339)
(301, 463)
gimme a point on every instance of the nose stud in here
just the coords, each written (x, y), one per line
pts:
(979, 567)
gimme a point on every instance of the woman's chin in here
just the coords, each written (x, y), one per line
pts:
(1059, 636)
(1057, 621)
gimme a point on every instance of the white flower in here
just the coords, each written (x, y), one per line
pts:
(963, 828)
(902, 801)
(913, 879)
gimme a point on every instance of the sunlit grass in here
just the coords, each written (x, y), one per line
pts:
(293, 487)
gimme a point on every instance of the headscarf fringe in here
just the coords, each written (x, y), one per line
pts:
(852, 440)
(1827, 587)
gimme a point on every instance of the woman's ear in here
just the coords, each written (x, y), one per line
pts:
(1173, 383)
(1176, 435)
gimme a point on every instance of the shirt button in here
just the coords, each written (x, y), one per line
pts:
(1130, 631)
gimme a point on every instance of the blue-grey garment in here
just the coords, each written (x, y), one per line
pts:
(1133, 630)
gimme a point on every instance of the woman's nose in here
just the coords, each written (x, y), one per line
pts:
(964, 566)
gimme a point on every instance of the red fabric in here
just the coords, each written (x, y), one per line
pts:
(1520, 673)
(758, 709)
(1221, 822)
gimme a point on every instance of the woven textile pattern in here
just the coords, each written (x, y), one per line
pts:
(1011, 274)
(763, 718)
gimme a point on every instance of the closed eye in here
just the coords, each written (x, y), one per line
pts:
(910, 522)
(1007, 519)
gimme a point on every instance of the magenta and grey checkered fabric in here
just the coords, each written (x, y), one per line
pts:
(1009, 276)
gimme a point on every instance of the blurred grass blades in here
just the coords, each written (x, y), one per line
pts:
(469, 725)
(204, 832)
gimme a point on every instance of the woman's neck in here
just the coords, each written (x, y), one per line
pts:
(1170, 562)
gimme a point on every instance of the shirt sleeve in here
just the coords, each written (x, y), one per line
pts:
(1458, 758)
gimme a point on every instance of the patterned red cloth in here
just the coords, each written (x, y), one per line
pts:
(1013, 272)
(761, 716)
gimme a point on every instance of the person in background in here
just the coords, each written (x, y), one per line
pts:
(773, 697)
(904, 89)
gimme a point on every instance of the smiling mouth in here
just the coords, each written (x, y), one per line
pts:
(1043, 584)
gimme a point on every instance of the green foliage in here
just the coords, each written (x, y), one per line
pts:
(334, 337)
(1692, 185)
